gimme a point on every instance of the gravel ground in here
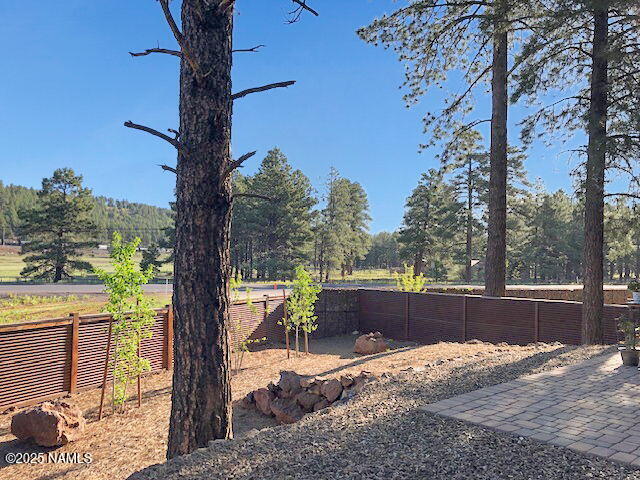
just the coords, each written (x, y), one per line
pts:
(125, 443)
(380, 434)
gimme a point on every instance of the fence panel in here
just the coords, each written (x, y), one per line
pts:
(500, 320)
(560, 322)
(382, 311)
(435, 317)
(34, 363)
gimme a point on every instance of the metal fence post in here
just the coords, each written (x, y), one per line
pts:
(73, 371)
(406, 317)
(168, 338)
(536, 323)
(464, 318)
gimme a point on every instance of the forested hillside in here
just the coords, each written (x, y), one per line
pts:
(131, 219)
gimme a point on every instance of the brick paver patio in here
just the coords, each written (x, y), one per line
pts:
(591, 407)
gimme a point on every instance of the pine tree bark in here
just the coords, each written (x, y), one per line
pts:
(201, 399)
(495, 262)
(469, 223)
(418, 262)
(593, 254)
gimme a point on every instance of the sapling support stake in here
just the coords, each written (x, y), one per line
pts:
(106, 369)
(139, 387)
(286, 322)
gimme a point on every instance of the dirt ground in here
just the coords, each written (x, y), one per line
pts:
(121, 444)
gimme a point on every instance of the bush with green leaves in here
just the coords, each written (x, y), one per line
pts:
(408, 282)
(629, 328)
(634, 286)
(301, 306)
(131, 311)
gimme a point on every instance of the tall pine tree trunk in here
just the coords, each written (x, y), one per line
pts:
(469, 223)
(418, 262)
(495, 263)
(201, 399)
(593, 254)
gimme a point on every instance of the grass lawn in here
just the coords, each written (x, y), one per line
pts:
(24, 308)
(11, 264)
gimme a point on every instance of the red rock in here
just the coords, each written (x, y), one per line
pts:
(306, 382)
(248, 401)
(370, 343)
(316, 388)
(49, 424)
(263, 398)
(307, 400)
(331, 389)
(346, 380)
(361, 380)
(289, 384)
(286, 410)
(324, 403)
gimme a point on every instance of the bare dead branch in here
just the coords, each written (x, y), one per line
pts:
(237, 163)
(156, 50)
(152, 131)
(168, 168)
(263, 88)
(178, 35)
(252, 49)
(303, 5)
(251, 195)
(623, 194)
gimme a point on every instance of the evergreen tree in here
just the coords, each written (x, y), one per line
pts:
(383, 252)
(59, 228)
(281, 227)
(108, 214)
(151, 260)
(468, 40)
(342, 226)
(432, 218)
(586, 52)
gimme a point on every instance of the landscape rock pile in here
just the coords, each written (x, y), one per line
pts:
(49, 424)
(370, 343)
(294, 395)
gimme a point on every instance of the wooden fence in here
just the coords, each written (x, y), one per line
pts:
(434, 317)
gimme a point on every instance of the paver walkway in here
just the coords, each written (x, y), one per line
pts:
(591, 407)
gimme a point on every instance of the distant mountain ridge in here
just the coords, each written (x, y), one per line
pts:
(131, 219)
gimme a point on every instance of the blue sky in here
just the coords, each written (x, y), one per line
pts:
(68, 84)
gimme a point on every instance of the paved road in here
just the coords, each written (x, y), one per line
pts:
(257, 291)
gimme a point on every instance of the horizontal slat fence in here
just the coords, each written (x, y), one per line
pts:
(45, 359)
(434, 317)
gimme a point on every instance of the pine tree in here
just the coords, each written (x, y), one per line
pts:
(383, 252)
(151, 260)
(59, 228)
(201, 399)
(468, 40)
(281, 227)
(586, 52)
(432, 218)
(342, 226)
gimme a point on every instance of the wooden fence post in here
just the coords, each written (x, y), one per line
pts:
(536, 323)
(73, 371)
(464, 318)
(168, 338)
(406, 317)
